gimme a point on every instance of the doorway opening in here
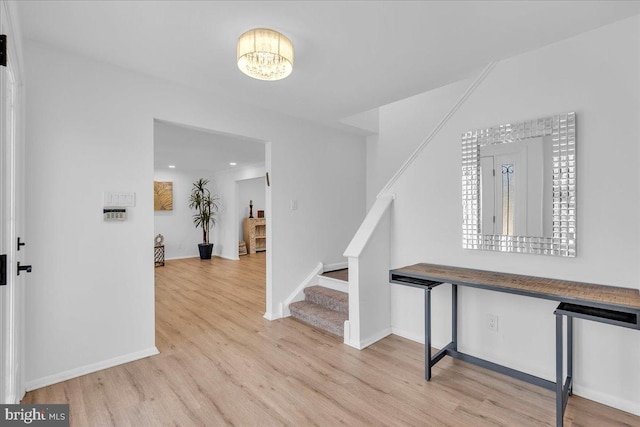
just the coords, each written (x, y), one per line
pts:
(252, 230)
(235, 168)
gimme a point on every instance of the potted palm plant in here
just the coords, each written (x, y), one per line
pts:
(206, 207)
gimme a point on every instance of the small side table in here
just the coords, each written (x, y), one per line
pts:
(159, 255)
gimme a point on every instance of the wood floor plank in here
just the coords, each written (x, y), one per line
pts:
(222, 363)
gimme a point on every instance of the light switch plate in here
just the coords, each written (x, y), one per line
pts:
(120, 198)
(114, 214)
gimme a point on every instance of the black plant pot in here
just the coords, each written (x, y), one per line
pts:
(205, 250)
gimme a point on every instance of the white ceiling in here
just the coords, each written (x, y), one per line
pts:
(194, 149)
(350, 56)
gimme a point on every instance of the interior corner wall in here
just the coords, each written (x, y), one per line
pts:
(89, 128)
(604, 90)
(181, 237)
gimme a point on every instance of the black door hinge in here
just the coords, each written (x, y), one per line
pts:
(3, 50)
(3, 270)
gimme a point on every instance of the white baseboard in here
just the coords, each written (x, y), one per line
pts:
(607, 399)
(367, 341)
(375, 338)
(197, 256)
(181, 257)
(272, 316)
(237, 258)
(408, 335)
(88, 369)
(415, 337)
(336, 266)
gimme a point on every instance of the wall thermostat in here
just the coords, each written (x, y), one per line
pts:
(114, 214)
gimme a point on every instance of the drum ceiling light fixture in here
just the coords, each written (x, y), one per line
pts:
(265, 54)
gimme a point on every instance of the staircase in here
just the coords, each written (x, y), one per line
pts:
(325, 307)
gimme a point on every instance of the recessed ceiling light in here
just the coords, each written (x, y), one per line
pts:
(172, 166)
(232, 164)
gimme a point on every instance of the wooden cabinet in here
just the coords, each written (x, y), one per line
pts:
(255, 234)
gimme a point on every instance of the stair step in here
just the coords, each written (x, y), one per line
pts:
(342, 274)
(331, 283)
(328, 298)
(321, 317)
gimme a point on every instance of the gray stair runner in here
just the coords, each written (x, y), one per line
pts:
(323, 308)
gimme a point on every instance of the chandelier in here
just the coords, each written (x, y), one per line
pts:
(265, 54)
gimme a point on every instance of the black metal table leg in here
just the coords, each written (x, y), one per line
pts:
(454, 316)
(570, 353)
(559, 374)
(427, 334)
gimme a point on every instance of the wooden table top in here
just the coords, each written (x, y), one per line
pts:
(555, 289)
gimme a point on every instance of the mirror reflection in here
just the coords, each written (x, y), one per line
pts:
(516, 188)
(519, 187)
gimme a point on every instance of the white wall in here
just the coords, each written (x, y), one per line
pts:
(250, 189)
(604, 90)
(403, 126)
(226, 233)
(181, 238)
(90, 300)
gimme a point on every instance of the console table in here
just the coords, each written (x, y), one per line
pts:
(607, 304)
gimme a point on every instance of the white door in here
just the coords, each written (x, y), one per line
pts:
(509, 193)
(487, 195)
(11, 220)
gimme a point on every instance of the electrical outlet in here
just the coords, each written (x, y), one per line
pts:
(492, 322)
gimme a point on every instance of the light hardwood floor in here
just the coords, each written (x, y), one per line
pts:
(222, 363)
